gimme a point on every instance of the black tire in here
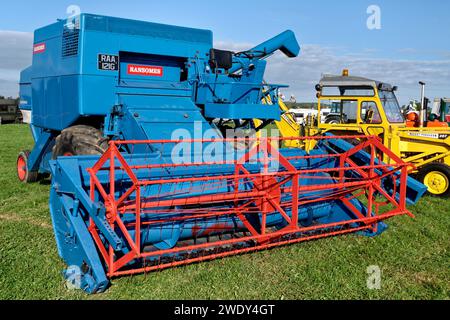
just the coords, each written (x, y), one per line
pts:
(79, 140)
(443, 169)
(333, 120)
(23, 174)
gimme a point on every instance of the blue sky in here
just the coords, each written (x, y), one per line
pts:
(413, 40)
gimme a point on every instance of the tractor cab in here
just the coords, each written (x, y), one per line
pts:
(365, 107)
(357, 105)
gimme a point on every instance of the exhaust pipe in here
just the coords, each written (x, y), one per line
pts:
(422, 105)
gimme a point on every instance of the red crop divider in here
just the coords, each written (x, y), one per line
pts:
(263, 199)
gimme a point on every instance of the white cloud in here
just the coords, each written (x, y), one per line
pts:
(304, 72)
(15, 55)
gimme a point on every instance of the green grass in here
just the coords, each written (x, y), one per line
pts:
(413, 255)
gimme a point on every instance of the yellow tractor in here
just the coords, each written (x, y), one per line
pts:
(360, 106)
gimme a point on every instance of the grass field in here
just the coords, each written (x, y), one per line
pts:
(413, 255)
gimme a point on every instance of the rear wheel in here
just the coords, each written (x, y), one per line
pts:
(23, 173)
(436, 176)
(333, 120)
(79, 140)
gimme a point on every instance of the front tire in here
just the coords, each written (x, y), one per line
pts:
(79, 140)
(23, 174)
(436, 176)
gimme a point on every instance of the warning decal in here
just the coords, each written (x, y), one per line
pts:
(141, 70)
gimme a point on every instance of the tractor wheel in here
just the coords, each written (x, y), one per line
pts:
(79, 140)
(333, 120)
(23, 173)
(436, 176)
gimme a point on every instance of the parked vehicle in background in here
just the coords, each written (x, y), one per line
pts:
(351, 105)
(9, 111)
(367, 107)
(300, 114)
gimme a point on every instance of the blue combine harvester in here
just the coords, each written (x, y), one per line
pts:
(104, 77)
(130, 120)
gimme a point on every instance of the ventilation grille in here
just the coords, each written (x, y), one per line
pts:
(70, 42)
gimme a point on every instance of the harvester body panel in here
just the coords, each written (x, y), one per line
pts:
(78, 71)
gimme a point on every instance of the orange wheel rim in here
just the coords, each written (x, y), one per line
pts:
(21, 168)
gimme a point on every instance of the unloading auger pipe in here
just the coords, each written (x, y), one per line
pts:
(286, 42)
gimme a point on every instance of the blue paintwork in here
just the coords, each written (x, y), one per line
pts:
(285, 42)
